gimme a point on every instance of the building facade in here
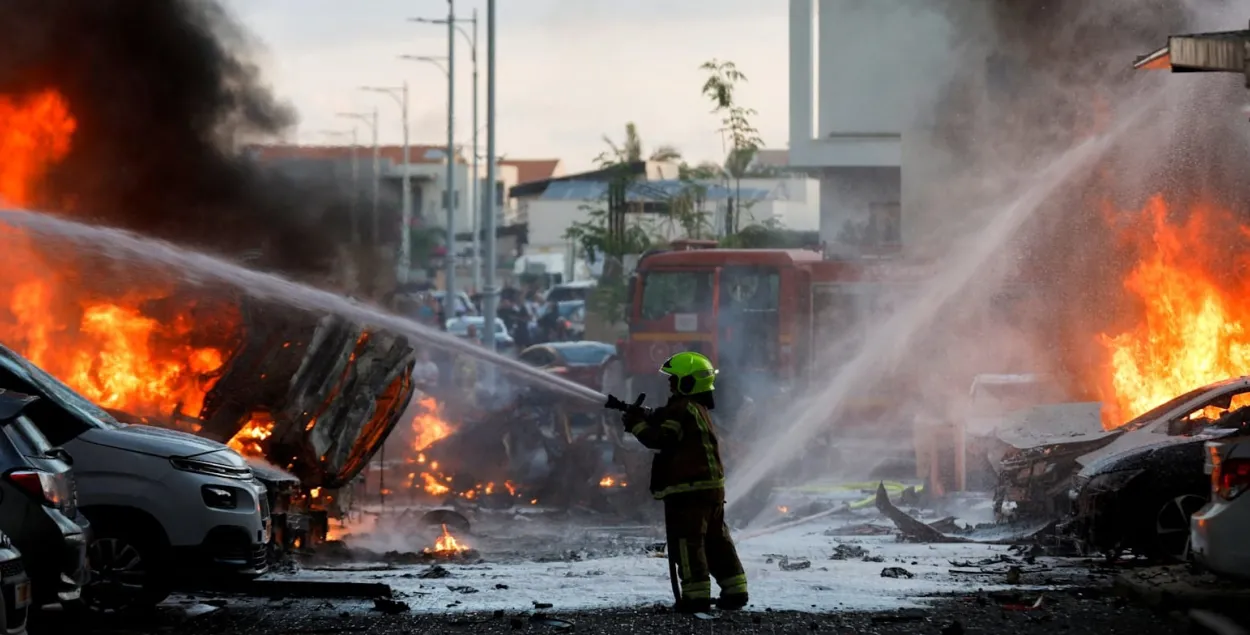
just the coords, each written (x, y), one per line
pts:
(859, 70)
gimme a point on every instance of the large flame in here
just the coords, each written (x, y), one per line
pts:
(447, 544)
(249, 441)
(1194, 331)
(35, 134)
(127, 347)
(428, 425)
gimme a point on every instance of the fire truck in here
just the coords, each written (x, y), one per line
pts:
(763, 316)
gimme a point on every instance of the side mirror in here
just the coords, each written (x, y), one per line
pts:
(61, 453)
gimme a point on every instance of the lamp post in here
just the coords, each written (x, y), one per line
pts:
(491, 294)
(355, 207)
(403, 267)
(451, 304)
(475, 191)
(371, 119)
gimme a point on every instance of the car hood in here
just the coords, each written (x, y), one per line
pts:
(1139, 444)
(161, 442)
(1055, 425)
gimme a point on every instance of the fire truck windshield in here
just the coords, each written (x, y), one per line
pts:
(669, 292)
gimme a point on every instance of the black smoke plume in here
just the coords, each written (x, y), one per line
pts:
(162, 91)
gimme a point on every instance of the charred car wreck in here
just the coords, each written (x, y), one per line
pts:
(1130, 488)
(312, 396)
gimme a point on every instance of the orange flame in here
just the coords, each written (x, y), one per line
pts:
(428, 427)
(35, 134)
(1193, 332)
(102, 343)
(446, 544)
(249, 440)
(608, 481)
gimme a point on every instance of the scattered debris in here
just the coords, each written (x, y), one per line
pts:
(542, 605)
(874, 558)
(298, 589)
(847, 552)
(462, 589)
(435, 572)
(862, 529)
(785, 564)
(556, 623)
(390, 606)
(912, 529)
(896, 572)
(1013, 575)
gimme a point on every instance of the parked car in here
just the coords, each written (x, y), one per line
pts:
(37, 506)
(577, 290)
(460, 328)
(15, 589)
(162, 504)
(1218, 531)
(1136, 486)
(581, 362)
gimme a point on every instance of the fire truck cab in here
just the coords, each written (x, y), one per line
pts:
(766, 317)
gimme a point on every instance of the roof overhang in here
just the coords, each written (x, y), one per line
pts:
(1219, 52)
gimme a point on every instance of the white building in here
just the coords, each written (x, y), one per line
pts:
(859, 70)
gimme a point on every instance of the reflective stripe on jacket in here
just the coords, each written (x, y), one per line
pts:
(689, 454)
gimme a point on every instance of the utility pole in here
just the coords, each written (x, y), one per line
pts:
(403, 264)
(371, 119)
(490, 299)
(452, 301)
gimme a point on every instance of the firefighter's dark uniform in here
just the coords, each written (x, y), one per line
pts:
(687, 474)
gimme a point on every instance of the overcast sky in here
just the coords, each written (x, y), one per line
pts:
(569, 71)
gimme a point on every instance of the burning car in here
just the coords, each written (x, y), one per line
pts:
(1132, 487)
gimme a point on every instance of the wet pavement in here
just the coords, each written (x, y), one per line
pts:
(1078, 611)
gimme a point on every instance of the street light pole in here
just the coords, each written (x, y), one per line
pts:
(491, 294)
(403, 264)
(372, 120)
(452, 301)
(475, 193)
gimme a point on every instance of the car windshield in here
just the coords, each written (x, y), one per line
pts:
(569, 309)
(586, 355)
(58, 392)
(1151, 415)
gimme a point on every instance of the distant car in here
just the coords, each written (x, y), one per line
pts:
(1218, 531)
(460, 328)
(15, 589)
(573, 315)
(580, 362)
(38, 506)
(579, 290)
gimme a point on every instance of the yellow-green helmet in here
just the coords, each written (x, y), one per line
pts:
(693, 371)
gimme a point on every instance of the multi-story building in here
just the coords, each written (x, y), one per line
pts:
(859, 70)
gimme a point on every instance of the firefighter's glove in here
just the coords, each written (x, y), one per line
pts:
(633, 418)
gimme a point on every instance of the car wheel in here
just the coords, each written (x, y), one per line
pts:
(124, 572)
(1171, 528)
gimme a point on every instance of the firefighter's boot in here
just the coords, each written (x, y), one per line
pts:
(732, 601)
(693, 605)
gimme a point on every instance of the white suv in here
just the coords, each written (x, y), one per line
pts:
(162, 504)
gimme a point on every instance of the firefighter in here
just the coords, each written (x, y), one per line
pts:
(688, 476)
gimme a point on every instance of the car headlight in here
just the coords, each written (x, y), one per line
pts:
(220, 497)
(1111, 481)
(211, 469)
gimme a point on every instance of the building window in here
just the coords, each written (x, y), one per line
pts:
(444, 202)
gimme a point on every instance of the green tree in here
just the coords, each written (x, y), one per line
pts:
(744, 139)
(630, 149)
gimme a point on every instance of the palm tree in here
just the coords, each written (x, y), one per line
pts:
(630, 150)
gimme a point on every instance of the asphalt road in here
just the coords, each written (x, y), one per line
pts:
(1079, 612)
